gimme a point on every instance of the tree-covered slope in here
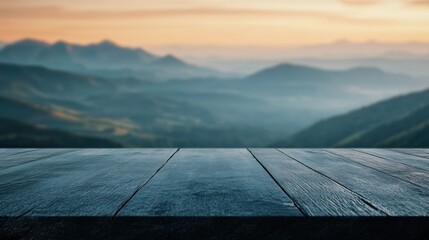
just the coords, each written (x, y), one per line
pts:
(20, 135)
(403, 119)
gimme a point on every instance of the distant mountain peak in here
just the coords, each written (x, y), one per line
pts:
(58, 48)
(286, 70)
(171, 57)
(170, 60)
(366, 69)
(30, 41)
(291, 66)
(107, 43)
(60, 43)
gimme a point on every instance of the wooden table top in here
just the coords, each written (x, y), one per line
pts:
(214, 182)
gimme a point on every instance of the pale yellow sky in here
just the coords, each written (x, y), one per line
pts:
(215, 22)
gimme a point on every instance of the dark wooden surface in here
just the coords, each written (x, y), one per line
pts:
(303, 183)
(391, 195)
(213, 182)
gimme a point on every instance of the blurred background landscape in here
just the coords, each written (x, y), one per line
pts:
(214, 74)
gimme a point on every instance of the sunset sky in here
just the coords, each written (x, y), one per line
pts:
(215, 22)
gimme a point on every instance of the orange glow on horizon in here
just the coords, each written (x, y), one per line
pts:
(267, 23)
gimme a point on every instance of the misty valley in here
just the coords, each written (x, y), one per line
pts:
(105, 95)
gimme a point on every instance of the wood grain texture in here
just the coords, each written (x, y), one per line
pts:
(416, 152)
(408, 173)
(103, 191)
(12, 151)
(385, 192)
(62, 184)
(26, 156)
(412, 160)
(211, 182)
(315, 193)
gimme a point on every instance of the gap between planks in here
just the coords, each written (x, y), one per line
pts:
(19, 151)
(407, 152)
(387, 172)
(362, 198)
(142, 184)
(391, 159)
(295, 203)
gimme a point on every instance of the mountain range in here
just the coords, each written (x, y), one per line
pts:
(410, 64)
(410, 58)
(105, 59)
(39, 87)
(351, 86)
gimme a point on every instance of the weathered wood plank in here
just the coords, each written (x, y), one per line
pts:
(22, 187)
(15, 150)
(23, 157)
(12, 151)
(315, 193)
(44, 186)
(398, 157)
(211, 182)
(104, 192)
(416, 152)
(408, 173)
(385, 192)
(207, 182)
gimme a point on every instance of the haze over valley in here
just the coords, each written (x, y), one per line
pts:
(132, 97)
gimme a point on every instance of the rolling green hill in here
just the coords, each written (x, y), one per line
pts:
(410, 131)
(141, 115)
(23, 81)
(14, 134)
(398, 122)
